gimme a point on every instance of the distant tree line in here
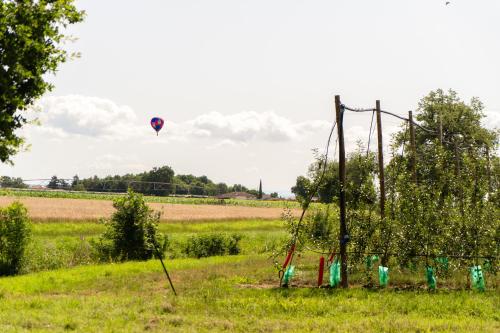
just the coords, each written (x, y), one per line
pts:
(12, 182)
(160, 181)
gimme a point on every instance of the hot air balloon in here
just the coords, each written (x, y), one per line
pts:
(157, 124)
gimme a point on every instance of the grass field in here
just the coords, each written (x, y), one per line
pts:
(234, 293)
(64, 209)
(65, 244)
(64, 289)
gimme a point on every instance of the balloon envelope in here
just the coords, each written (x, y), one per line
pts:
(157, 123)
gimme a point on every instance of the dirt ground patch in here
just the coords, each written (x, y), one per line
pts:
(84, 209)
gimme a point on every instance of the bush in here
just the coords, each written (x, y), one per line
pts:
(216, 244)
(132, 232)
(233, 244)
(15, 231)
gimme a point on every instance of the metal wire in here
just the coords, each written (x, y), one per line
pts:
(356, 109)
(391, 114)
(370, 135)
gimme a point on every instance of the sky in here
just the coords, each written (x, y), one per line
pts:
(247, 87)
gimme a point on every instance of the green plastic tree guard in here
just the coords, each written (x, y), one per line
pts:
(335, 274)
(288, 275)
(383, 276)
(369, 263)
(477, 278)
(431, 279)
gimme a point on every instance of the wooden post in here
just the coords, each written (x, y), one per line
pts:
(342, 176)
(381, 173)
(413, 148)
(381, 163)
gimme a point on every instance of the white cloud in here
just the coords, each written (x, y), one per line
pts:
(249, 126)
(98, 118)
(62, 116)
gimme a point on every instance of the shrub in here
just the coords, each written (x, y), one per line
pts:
(15, 231)
(233, 244)
(132, 233)
(215, 244)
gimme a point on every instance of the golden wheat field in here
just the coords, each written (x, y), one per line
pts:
(84, 209)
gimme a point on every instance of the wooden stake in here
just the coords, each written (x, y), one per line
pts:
(164, 268)
(342, 176)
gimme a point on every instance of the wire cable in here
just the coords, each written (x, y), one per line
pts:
(391, 114)
(370, 135)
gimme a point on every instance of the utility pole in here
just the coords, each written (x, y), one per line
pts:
(381, 172)
(344, 237)
(413, 148)
(381, 162)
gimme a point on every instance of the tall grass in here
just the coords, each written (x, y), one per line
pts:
(68, 244)
(60, 245)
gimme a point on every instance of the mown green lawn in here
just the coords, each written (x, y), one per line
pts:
(233, 293)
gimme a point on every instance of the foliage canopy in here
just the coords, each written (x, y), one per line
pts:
(441, 199)
(30, 46)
